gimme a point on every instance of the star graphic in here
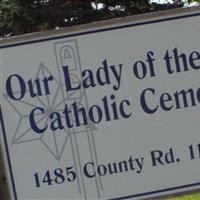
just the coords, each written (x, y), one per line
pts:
(55, 142)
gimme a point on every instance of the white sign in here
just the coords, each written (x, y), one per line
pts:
(111, 112)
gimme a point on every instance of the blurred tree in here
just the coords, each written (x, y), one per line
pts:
(25, 16)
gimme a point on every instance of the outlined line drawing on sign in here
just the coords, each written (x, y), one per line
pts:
(67, 54)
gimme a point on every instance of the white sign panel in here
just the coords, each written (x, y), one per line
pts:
(105, 113)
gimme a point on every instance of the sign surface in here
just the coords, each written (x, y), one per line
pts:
(108, 112)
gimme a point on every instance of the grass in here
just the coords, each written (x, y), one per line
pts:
(188, 197)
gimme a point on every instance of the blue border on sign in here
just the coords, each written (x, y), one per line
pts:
(100, 30)
(85, 33)
(8, 155)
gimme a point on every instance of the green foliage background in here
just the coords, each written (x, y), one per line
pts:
(26, 16)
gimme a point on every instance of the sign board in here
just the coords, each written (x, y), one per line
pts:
(106, 111)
